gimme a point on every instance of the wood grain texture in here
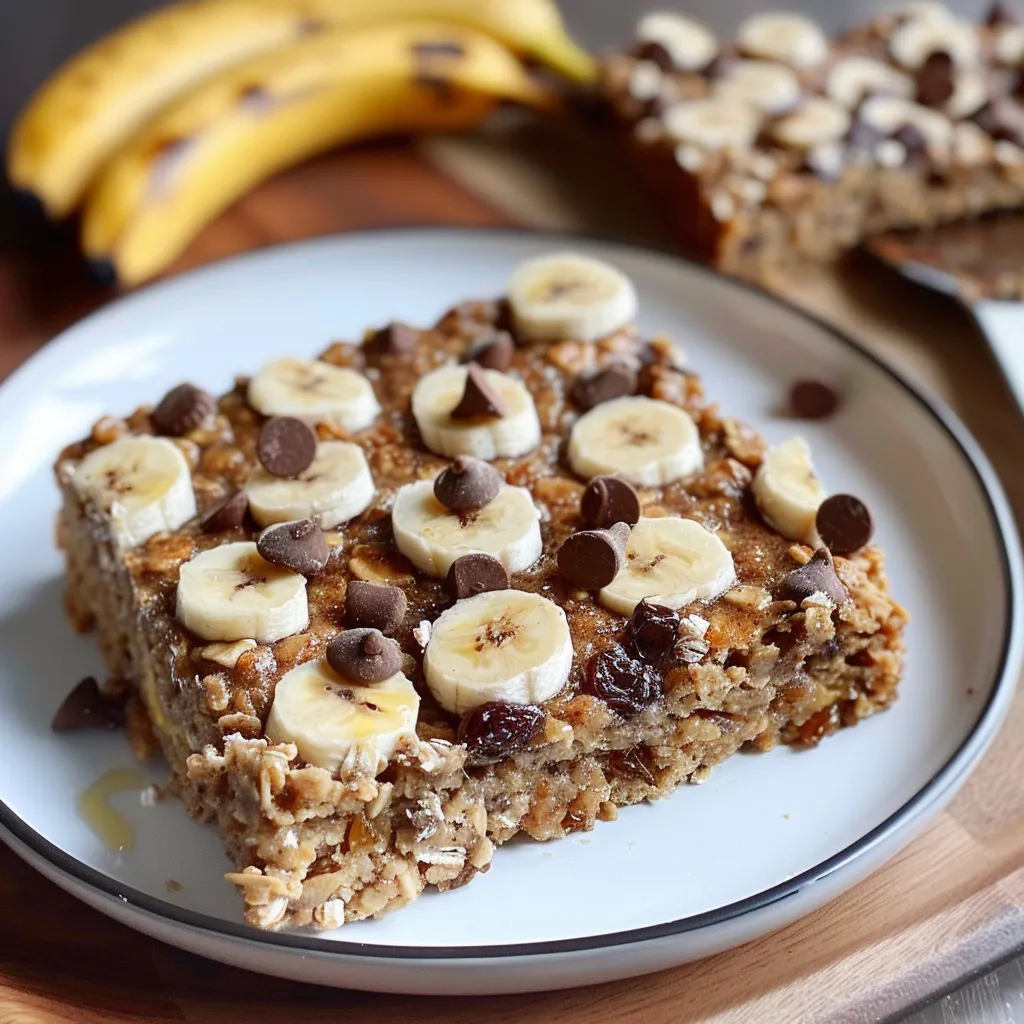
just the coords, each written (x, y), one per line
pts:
(953, 899)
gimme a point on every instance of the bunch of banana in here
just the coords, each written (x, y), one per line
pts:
(159, 126)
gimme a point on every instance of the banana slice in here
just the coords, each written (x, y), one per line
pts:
(336, 487)
(854, 78)
(914, 41)
(764, 84)
(231, 593)
(564, 295)
(888, 114)
(645, 441)
(1009, 45)
(672, 562)
(788, 492)
(816, 121)
(499, 437)
(786, 37)
(720, 122)
(505, 645)
(690, 45)
(143, 484)
(333, 723)
(315, 391)
(432, 537)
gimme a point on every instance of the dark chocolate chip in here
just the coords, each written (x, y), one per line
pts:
(1003, 119)
(286, 446)
(439, 48)
(364, 656)
(608, 500)
(613, 381)
(182, 409)
(817, 576)
(374, 606)
(813, 399)
(493, 351)
(86, 708)
(656, 54)
(397, 339)
(1000, 14)
(652, 630)
(936, 81)
(844, 524)
(467, 484)
(591, 559)
(475, 574)
(228, 515)
(300, 546)
(478, 399)
(496, 729)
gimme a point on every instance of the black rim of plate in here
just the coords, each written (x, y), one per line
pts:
(950, 773)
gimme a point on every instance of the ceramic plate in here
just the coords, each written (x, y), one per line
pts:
(768, 838)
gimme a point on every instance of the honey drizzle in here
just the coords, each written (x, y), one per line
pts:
(112, 828)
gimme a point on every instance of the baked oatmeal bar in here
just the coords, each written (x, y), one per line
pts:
(784, 145)
(383, 610)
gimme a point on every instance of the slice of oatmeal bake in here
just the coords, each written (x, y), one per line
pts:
(384, 609)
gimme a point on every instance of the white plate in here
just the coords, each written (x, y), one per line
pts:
(767, 839)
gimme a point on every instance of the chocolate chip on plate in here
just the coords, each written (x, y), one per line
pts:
(608, 500)
(364, 656)
(478, 399)
(374, 606)
(230, 513)
(467, 484)
(844, 524)
(591, 559)
(475, 574)
(396, 339)
(813, 399)
(652, 630)
(300, 546)
(182, 409)
(286, 446)
(496, 729)
(86, 708)
(817, 576)
(493, 351)
(936, 81)
(613, 381)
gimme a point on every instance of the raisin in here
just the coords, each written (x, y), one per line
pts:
(626, 685)
(652, 630)
(631, 764)
(496, 730)
(818, 726)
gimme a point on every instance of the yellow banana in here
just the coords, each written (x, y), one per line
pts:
(270, 112)
(101, 98)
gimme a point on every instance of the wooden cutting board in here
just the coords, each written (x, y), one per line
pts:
(951, 903)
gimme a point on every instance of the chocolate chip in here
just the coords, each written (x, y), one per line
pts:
(613, 381)
(817, 576)
(652, 630)
(608, 500)
(591, 559)
(300, 546)
(844, 524)
(475, 574)
(656, 54)
(813, 399)
(374, 606)
(86, 708)
(1003, 119)
(182, 409)
(364, 656)
(397, 339)
(286, 446)
(493, 351)
(228, 515)
(467, 484)
(478, 399)
(935, 79)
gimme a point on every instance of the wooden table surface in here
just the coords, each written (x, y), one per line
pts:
(954, 898)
